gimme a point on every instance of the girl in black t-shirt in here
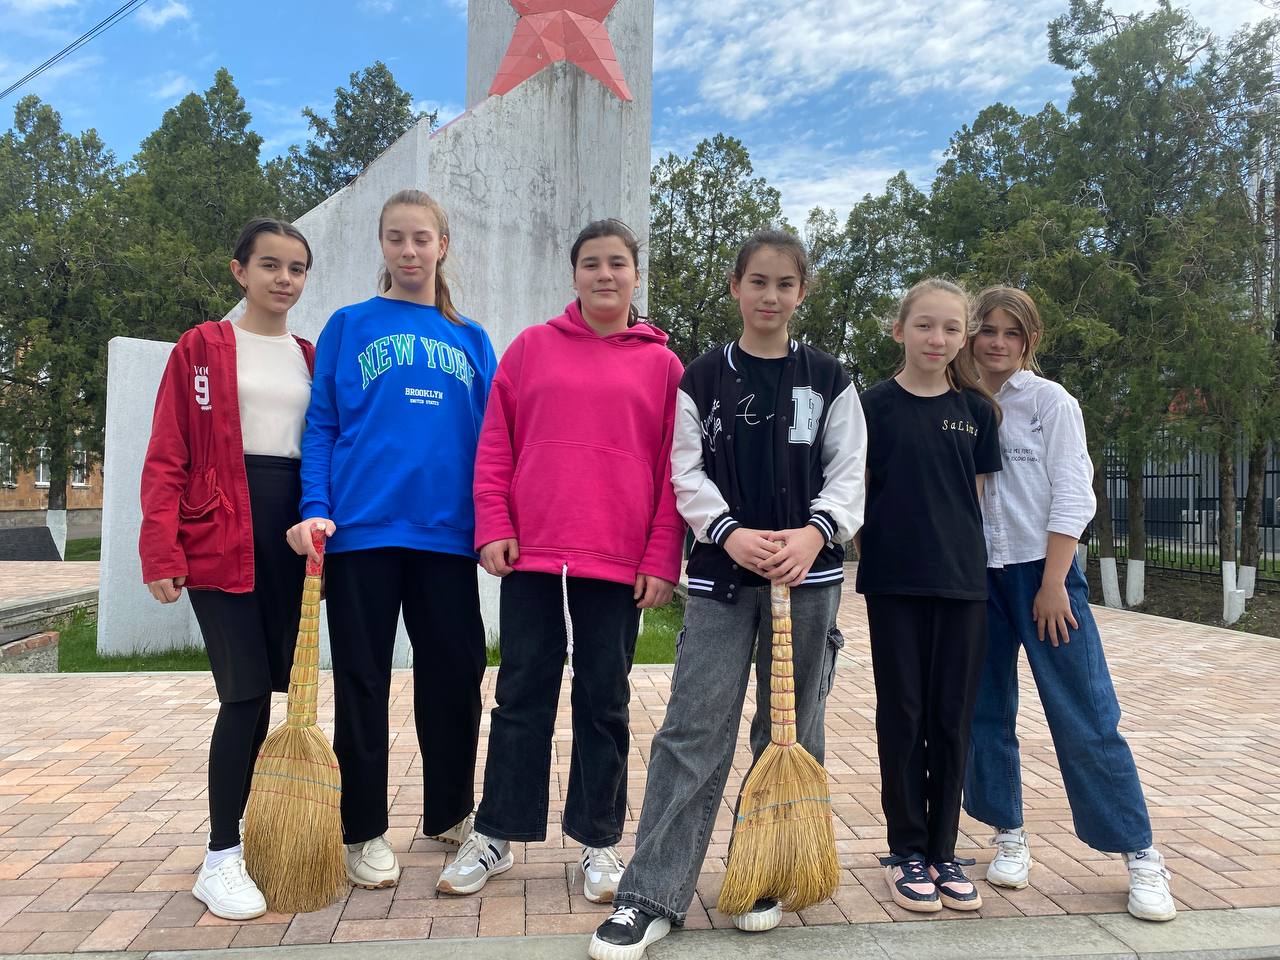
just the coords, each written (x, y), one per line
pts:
(932, 436)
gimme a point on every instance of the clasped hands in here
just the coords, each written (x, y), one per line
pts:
(782, 556)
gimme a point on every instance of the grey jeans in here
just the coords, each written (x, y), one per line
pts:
(692, 754)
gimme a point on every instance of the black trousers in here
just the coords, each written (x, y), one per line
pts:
(927, 655)
(366, 591)
(250, 638)
(518, 769)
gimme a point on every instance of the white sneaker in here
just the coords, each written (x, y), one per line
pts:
(1149, 896)
(601, 873)
(458, 832)
(372, 864)
(479, 859)
(229, 892)
(764, 915)
(1012, 861)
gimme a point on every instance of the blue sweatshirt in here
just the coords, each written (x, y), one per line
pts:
(390, 444)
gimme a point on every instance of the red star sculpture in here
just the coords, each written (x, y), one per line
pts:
(552, 30)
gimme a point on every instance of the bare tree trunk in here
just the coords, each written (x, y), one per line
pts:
(1105, 532)
(1232, 597)
(1135, 569)
(1250, 526)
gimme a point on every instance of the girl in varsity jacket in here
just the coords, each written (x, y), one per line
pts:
(220, 485)
(768, 459)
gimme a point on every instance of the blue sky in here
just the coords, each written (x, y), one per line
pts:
(832, 97)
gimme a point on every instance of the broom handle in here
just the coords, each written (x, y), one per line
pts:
(782, 677)
(304, 675)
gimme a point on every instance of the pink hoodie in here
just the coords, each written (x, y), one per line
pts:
(574, 459)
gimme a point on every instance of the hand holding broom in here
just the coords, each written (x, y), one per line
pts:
(783, 844)
(293, 822)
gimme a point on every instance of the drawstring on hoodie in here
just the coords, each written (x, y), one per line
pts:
(568, 620)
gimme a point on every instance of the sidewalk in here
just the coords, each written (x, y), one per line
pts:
(103, 819)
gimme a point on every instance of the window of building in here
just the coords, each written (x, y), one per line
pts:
(42, 467)
(79, 467)
(8, 473)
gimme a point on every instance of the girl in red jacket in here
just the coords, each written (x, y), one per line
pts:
(575, 509)
(220, 486)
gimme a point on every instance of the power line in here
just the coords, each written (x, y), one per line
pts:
(98, 29)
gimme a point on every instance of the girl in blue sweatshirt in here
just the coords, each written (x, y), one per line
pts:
(397, 402)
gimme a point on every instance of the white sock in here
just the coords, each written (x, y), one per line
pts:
(215, 858)
(1150, 853)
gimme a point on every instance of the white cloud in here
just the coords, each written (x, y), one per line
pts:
(751, 59)
(808, 177)
(171, 86)
(444, 111)
(37, 6)
(155, 17)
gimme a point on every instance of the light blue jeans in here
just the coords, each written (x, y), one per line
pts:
(1080, 706)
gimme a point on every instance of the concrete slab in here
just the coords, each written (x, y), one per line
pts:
(1236, 934)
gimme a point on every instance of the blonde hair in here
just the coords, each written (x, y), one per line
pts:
(961, 372)
(417, 198)
(1022, 308)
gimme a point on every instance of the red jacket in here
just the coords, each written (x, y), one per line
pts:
(196, 521)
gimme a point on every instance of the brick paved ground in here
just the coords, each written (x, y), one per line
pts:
(30, 580)
(102, 808)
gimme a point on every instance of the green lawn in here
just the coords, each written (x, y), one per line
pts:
(89, 548)
(77, 652)
(77, 647)
(657, 641)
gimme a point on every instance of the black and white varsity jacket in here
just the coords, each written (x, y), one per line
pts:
(820, 435)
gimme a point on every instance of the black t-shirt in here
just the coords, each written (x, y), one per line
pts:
(923, 529)
(754, 445)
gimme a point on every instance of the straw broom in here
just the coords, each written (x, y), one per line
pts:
(293, 823)
(783, 845)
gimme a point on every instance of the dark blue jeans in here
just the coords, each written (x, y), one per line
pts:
(1080, 706)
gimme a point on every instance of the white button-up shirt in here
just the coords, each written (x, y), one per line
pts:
(1046, 485)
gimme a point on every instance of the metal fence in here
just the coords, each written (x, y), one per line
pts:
(1180, 487)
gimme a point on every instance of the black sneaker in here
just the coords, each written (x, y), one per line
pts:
(765, 914)
(626, 933)
(910, 884)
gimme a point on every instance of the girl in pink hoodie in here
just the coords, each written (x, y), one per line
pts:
(575, 510)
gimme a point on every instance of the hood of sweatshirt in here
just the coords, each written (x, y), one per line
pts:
(574, 324)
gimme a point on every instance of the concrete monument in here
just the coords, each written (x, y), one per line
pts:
(556, 134)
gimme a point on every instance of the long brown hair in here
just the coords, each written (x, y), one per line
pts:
(1022, 308)
(961, 371)
(417, 198)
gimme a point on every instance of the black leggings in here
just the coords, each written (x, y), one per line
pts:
(237, 736)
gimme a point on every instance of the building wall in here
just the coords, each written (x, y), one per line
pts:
(25, 495)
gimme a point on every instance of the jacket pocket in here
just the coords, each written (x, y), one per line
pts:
(582, 498)
(835, 643)
(202, 516)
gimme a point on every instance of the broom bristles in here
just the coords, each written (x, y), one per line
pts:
(783, 843)
(293, 822)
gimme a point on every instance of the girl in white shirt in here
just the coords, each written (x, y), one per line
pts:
(1034, 512)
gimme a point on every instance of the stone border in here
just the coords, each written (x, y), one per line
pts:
(1248, 934)
(19, 648)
